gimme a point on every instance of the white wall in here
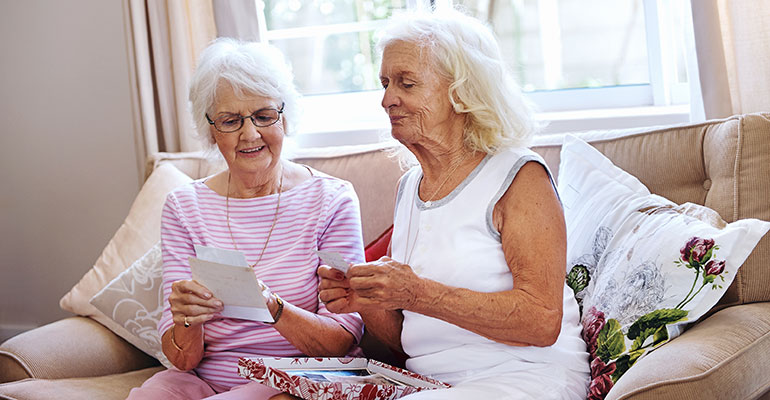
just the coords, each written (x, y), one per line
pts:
(68, 169)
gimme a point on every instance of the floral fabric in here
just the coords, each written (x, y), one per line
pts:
(641, 266)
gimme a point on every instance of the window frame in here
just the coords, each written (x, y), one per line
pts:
(661, 101)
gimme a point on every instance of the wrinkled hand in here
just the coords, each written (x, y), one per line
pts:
(384, 284)
(192, 300)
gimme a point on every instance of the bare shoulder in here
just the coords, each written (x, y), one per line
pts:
(529, 198)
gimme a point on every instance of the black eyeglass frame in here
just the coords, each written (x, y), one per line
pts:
(251, 117)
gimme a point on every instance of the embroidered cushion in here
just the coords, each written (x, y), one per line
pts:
(134, 300)
(642, 267)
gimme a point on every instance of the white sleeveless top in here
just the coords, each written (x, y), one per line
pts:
(453, 241)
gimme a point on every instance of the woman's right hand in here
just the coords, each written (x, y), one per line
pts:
(193, 303)
(334, 290)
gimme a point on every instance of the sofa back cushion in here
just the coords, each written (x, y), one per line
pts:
(722, 164)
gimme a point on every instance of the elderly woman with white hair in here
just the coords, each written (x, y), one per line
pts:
(274, 211)
(473, 289)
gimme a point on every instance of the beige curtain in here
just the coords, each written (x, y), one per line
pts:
(164, 40)
(732, 40)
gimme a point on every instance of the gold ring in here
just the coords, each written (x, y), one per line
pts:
(186, 324)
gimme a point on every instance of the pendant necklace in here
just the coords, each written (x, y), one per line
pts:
(428, 204)
(275, 217)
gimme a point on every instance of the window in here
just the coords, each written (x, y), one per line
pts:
(633, 51)
(568, 55)
(331, 43)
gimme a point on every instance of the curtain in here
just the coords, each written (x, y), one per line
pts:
(164, 40)
(239, 19)
(732, 41)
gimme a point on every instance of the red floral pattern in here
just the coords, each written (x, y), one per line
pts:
(601, 373)
(409, 373)
(593, 322)
(601, 379)
(256, 370)
(696, 249)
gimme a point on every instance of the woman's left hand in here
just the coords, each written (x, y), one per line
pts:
(384, 284)
(270, 301)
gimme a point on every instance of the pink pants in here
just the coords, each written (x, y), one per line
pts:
(173, 384)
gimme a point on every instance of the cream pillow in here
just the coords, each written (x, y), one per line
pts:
(641, 266)
(138, 233)
(134, 300)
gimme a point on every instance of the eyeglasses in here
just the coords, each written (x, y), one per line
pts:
(232, 122)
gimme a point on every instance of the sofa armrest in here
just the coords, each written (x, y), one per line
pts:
(721, 357)
(69, 348)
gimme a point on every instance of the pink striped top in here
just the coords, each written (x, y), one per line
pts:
(320, 213)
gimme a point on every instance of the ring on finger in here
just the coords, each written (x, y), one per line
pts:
(186, 324)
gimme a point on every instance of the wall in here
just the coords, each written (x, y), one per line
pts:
(68, 166)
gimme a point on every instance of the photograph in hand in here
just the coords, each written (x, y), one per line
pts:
(333, 260)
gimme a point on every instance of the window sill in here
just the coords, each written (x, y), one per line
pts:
(361, 132)
(613, 118)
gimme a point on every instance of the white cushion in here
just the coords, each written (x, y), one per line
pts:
(642, 266)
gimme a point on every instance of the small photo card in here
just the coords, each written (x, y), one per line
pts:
(334, 260)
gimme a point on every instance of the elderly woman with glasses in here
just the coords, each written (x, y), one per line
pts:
(473, 290)
(274, 211)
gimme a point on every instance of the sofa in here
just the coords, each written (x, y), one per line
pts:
(722, 164)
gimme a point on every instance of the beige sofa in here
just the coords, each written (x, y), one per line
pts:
(723, 164)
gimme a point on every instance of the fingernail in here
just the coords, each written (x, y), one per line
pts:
(218, 303)
(208, 295)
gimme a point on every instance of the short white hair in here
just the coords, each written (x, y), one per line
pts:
(466, 52)
(249, 68)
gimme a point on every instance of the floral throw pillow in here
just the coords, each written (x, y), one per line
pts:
(644, 268)
(134, 301)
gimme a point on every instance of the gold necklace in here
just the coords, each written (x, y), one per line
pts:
(428, 204)
(275, 217)
(429, 201)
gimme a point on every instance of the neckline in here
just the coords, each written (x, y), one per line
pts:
(307, 181)
(432, 205)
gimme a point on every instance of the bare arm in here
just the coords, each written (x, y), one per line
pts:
(188, 351)
(385, 325)
(192, 303)
(533, 236)
(312, 334)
